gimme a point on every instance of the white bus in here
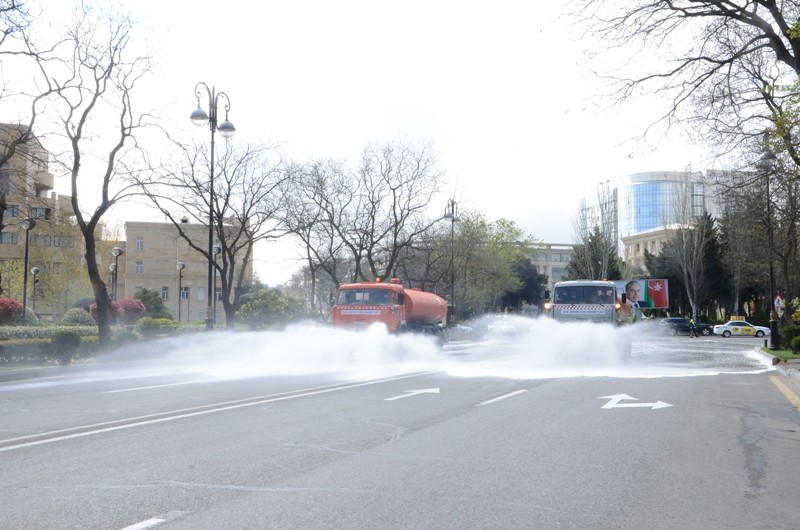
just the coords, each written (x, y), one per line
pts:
(585, 301)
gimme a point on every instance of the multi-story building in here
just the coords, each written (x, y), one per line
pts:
(154, 255)
(643, 210)
(53, 243)
(551, 259)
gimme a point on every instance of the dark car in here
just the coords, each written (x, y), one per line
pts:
(680, 325)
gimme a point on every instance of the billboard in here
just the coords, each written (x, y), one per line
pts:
(644, 294)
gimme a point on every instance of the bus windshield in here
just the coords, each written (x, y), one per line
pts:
(580, 294)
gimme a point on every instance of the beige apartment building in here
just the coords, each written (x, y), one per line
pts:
(53, 241)
(551, 259)
(152, 254)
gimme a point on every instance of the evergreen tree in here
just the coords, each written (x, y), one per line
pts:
(594, 259)
(154, 305)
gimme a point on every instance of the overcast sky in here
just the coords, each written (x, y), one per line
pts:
(503, 90)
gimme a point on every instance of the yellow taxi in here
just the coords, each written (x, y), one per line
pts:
(740, 327)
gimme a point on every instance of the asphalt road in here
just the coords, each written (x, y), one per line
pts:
(504, 433)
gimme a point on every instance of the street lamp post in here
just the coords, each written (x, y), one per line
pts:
(27, 224)
(217, 251)
(116, 252)
(34, 272)
(199, 117)
(451, 214)
(766, 164)
(181, 266)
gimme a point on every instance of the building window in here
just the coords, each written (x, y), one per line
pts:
(140, 244)
(41, 241)
(139, 268)
(64, 241)
(12, 210)
(40, 213)
(201, 293)
(184, 293)
(165, 293)
(218, 294)
(8, 239)
(555, 257)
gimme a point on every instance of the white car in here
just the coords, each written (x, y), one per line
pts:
(740, 327)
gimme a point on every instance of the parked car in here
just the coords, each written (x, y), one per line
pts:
(682, 326)
(740, 327)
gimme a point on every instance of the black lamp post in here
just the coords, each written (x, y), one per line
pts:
(217, 251)
(451, 214)
(181, 266)
(226, 129)
(27, 224)
(116, 252)
(766, 165)
(34, 272)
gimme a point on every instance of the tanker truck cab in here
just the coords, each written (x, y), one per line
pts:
(399, 309)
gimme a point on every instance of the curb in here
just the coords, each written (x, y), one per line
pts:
(791, 373)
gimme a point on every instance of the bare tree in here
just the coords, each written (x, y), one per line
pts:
(89, 82)
(357, 224)
(249, 189)
(728, 67)
(597, 230)
(316, 206)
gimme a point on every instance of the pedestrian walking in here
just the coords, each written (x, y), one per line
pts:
(693, 326)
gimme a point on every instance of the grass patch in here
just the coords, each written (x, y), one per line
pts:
(784, 355)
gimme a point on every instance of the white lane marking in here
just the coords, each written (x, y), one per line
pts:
(151, 387)
(150, 523)
(99, 428)
(410, 393)
(500, 398)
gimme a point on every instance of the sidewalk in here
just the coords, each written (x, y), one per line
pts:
(789, 369)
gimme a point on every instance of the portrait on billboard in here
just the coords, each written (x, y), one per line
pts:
(642, 294)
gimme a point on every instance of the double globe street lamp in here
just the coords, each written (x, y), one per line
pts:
(27, 224)
(451, 214)
(226, 129)
(181, 265)
(116, 252)
(34, 272)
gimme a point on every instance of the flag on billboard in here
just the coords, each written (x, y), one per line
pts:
(657, 294)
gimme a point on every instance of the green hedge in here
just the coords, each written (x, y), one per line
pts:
(44, 332)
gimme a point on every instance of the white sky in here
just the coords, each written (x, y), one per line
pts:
(501, 89)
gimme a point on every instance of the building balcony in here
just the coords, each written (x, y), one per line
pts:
(44, 181)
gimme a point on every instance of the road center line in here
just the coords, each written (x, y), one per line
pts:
(500, 398)
(150, 523)
(117, 425)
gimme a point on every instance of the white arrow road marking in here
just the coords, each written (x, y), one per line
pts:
(615, 403)
(410, 393)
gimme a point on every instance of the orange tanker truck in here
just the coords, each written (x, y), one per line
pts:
(400, 309)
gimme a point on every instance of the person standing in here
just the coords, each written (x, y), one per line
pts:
(693, 327)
